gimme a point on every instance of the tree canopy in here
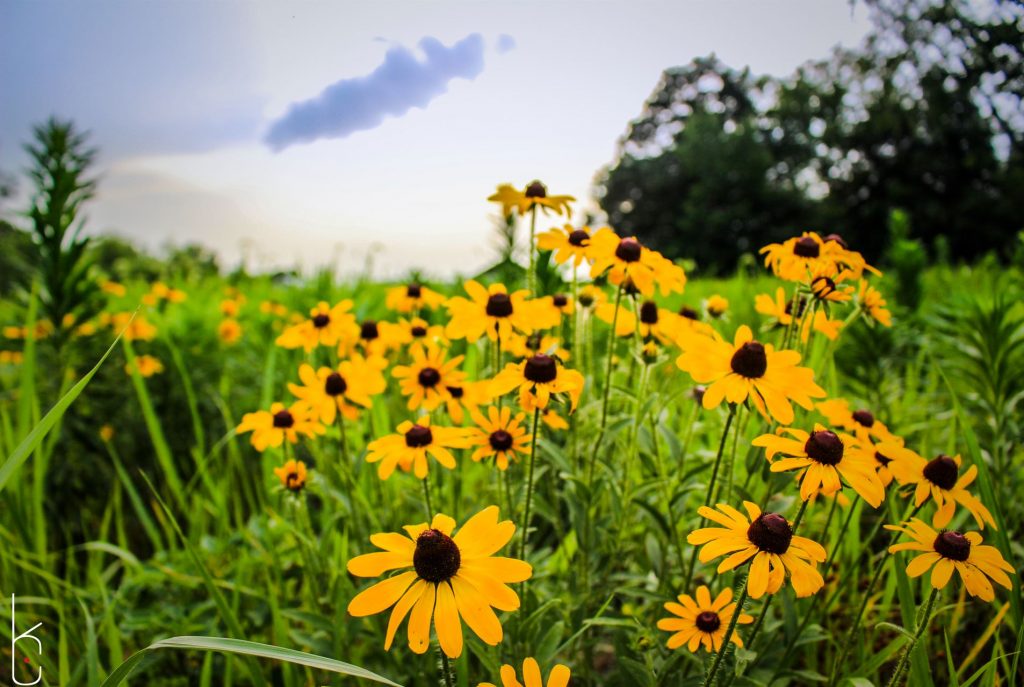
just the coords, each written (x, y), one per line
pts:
(925, 117)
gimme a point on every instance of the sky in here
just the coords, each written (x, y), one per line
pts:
(329, 134)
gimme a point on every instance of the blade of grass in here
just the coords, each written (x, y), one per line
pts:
(39, 432)
(248, 649)
(226, 614)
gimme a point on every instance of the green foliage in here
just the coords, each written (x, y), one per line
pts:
(907, 259)
(61, 161)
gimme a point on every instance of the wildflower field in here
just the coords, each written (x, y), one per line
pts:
(596, 471)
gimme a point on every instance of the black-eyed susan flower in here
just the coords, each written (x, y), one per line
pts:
(538, 378)
(409, 447)
(700, 620)
(940, 479)
(873, 305)
(326, 392)
(535, 195)
(326, 326)
(802, 257)
(415, 331)
(716, 305)
(826, 284)
(767, 541)
(568, 243)
(412, 298)
(229, 331)
(372, 339)
(824, 460)
(229, 307)
(292, 475)
(427, 378)
(444, 578)
(271, 429)
(839, 413)
(494, 312)
(627, 258)
(500, 436)
(11, 357)
(879, 450)
(946, 551)
(657, 323)
(466, 397)
(748, 369)
(558, 677)
(145, 365)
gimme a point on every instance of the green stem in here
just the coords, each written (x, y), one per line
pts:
(426, 498)
(901, 667)
(726, 640)
(607, 387)
(446, 669)
(844, 648)
(529, 486)
(531, 276)
(711, 489)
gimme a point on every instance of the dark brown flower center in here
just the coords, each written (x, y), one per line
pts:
(837, 239)
(882, 460)
(501, 440)
(283, 419)
(499, 305)
(806, 247)
(418, 437)
(540, 369)
(292, 481)
(335, 385)
(689, 313)
(428, 377)
(942, 472)
(770, 532)
(586, 300)
(321, 320)
(800, 303)
(536, 190)
(533, 342)
(649, 312)
(864, 418)
(560, 300)
(708, 621)
(825, 447)
(437, 556)
(952, 545)
(628, 250)
(750, 360)
(418, 332)
(368, 330)
(578, 237)
(456, 391)
(413, 290)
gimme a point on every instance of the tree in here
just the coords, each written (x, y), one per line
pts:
(60, 167)
(925, 117)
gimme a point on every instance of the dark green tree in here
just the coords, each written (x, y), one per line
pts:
(60, 170)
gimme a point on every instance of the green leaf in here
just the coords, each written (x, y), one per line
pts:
(244, 648)
(43, 427)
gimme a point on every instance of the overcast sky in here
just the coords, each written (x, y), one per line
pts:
(306, 133)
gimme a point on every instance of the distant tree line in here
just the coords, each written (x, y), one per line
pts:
(925, 117)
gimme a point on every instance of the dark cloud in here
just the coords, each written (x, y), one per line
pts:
(401, 82)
